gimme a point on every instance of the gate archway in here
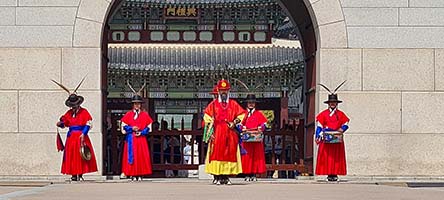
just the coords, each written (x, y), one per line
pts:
(302, 16)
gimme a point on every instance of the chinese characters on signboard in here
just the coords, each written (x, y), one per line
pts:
(181, 12)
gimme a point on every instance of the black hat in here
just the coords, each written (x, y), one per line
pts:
(74, 100)
(137, 99)
(251, 98)
(333, 98)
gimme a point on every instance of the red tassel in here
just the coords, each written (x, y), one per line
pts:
(59, 142)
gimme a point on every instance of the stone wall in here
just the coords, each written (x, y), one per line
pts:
(392, 60)
(42, 40)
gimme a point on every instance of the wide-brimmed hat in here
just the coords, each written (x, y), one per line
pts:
(333, 97)
(85, 152)
(137, 99)
(74, 100)
(251, 98)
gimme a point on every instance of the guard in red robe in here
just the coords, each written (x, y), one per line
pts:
(253, 162)
(223, 157)
(78, 155)
(331, 155)
(136, 124)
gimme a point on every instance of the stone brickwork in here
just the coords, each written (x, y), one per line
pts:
(42, 40)
(393, 61)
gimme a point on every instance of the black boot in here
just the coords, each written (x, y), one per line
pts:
(253, 177)
(74, 178)
(223, 180)
(332, 178)
(227, 181)
(220, 180)
(247, 177)
(215, 179)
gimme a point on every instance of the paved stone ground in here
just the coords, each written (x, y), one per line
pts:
(9, 189)
(194, 189)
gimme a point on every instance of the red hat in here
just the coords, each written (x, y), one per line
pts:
(223, 85)
(214, 90)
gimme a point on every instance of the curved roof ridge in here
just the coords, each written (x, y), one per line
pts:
(286, 43)
(281, 43)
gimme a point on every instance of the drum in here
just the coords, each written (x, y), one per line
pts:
(252, 136)
(333, 137)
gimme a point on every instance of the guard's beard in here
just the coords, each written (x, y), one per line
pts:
(224, 97)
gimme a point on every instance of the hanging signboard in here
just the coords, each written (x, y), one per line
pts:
(181, 12)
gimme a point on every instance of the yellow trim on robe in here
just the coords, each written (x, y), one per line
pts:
(208, 119)
(223, 167)
(241, 117)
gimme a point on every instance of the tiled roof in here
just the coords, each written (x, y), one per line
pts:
(200, 58)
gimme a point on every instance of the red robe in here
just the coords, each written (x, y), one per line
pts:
(331, 157)
(141, 162)
(224, 153)
(254, 161)
(73, 163)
